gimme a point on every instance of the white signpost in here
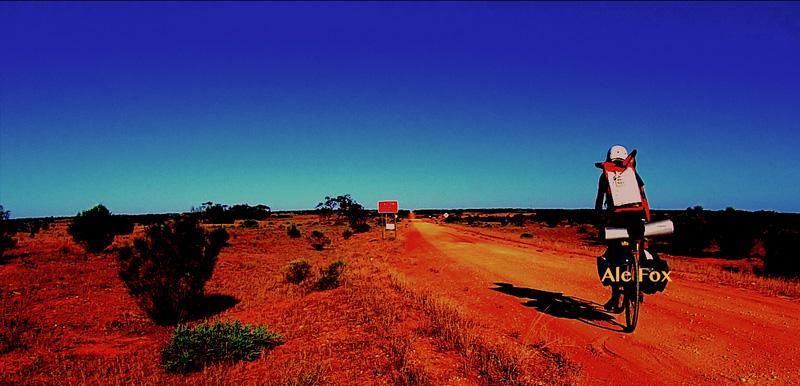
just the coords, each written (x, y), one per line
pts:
(385, 208)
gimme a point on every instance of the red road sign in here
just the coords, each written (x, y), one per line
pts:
(387, 206)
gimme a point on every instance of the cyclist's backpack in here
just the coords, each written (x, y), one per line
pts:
(623, 187)
(653, 268)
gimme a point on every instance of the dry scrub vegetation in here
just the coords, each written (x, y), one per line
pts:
(343, 315)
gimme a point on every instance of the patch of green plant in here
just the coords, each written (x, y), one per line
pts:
(526, 236)
(330, 277)
(192, 348)
(347, 234)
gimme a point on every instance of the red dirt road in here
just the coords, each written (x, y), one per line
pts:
(692, 333)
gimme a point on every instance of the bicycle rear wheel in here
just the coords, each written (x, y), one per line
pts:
(631, 294)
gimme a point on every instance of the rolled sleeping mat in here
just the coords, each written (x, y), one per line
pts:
(658, 228)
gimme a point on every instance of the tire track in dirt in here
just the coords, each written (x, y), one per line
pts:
(693, 333)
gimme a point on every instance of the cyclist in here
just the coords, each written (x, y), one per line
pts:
(626, 206)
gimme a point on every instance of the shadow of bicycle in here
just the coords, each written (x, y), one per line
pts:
(562, 306)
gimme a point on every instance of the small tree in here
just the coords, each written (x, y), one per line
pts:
(216, 213)
(345, 207)
(93, 228)
(168, 268)
(7, 240)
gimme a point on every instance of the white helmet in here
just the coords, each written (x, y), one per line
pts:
(617, 153)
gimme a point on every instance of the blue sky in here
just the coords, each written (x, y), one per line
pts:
(151, 107)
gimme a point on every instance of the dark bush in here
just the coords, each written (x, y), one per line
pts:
(361, 228)
(122, 225)
(7, 240)
(347, 234)
(518, 219)
(249, 223)
(192, 348)
(692, 233)
(452, 218)
(551, 218)
(318, 240)
(526, 236)
(244, 211)
(167, 269)
(329, 277)
(735, 234)
(93, 228)
(34, 227)
(297, 271)
(782, 257)
(293, 232)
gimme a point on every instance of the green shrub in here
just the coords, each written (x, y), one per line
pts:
(293, 232)
(329, 277)
(167, 269)
(347, 234)
(297, 271)
(192, 348)
(319, 240)
(249, 224)
(7, 240)
(526, 236)
(93, 228)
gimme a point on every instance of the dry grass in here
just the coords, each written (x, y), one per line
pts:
(17, 328)
(385, 315)
(735, 276)
(493, 359)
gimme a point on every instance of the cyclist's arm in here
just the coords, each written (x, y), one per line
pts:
(645, 204)
(602, 187)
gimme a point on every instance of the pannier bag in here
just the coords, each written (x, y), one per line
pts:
(649, 262)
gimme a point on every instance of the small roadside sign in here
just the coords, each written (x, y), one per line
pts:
(389, 206)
